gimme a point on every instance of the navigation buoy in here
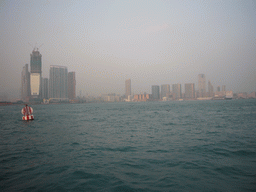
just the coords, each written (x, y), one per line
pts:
(27, 112)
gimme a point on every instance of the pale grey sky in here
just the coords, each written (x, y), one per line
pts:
(151, 42)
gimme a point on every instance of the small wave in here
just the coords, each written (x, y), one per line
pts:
(98, 120)
(57, 170)
(169, 123)
(228, 170)
(84, 175)
(157, 151)
(125, 188)
(172, 164)
(246, 153)
(75, 143)
(120, 149)
(222, 152)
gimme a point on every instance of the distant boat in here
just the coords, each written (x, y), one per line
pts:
(27, 112)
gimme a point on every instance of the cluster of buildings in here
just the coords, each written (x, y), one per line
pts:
(59, 87)
(166, 92)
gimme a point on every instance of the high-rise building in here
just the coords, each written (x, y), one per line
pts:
(201, 85)
(165, 90)
(35, 73)
(176, 91)
(210, 89)
(218, 88)
(223, 88)
(45, 89)
(189, 90)
(155, 92)
(58, 83)
(25, 83)
(71, 85)
(128, 90)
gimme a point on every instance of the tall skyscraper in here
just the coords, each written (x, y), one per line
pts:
(218, 88)
(176, 91)
(189, 90)
(201, 85)
(25, 83)
(155, 92)
(165, 90)
(35, 73)
(71, 85)
(210, 89)
(58, 83)
(45, 89)
(128, 90)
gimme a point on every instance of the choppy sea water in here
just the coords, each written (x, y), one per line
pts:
(147, 146)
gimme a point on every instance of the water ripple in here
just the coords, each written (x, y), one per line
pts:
(151, 146)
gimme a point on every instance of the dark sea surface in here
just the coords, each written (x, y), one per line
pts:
(146, 146)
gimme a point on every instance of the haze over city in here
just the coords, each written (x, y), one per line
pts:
(150, 42)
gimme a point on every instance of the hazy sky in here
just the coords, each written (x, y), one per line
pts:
(151, 42)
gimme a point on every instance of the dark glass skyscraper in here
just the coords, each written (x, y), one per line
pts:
(44, 86)
(189, 90)
(155, 92)
(58, 83)
(25, 83)
(176, 91)
(165, 90)
(71, 85)
(35, 62)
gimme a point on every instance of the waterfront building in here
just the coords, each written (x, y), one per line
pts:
(201, 85)
(176, 91)
(155, 92)
(128, 90)
(252, 95)
(189, 90)
(218, 89)
(58, 82)
(229, 95)
(210, 89)
(25, 83)
(242, 95)
(219, 95)
(165, 90)
(71, 85)
(223, 88)
(35, 74)
(142, 97)
(45, 88)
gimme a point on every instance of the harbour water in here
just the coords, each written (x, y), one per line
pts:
(146, 146)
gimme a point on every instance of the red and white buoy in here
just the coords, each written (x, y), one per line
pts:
(27, 112)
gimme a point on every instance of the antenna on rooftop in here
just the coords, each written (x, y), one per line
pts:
(35, 47)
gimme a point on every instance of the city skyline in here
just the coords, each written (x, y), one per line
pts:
(151, 42)
(62, 85)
